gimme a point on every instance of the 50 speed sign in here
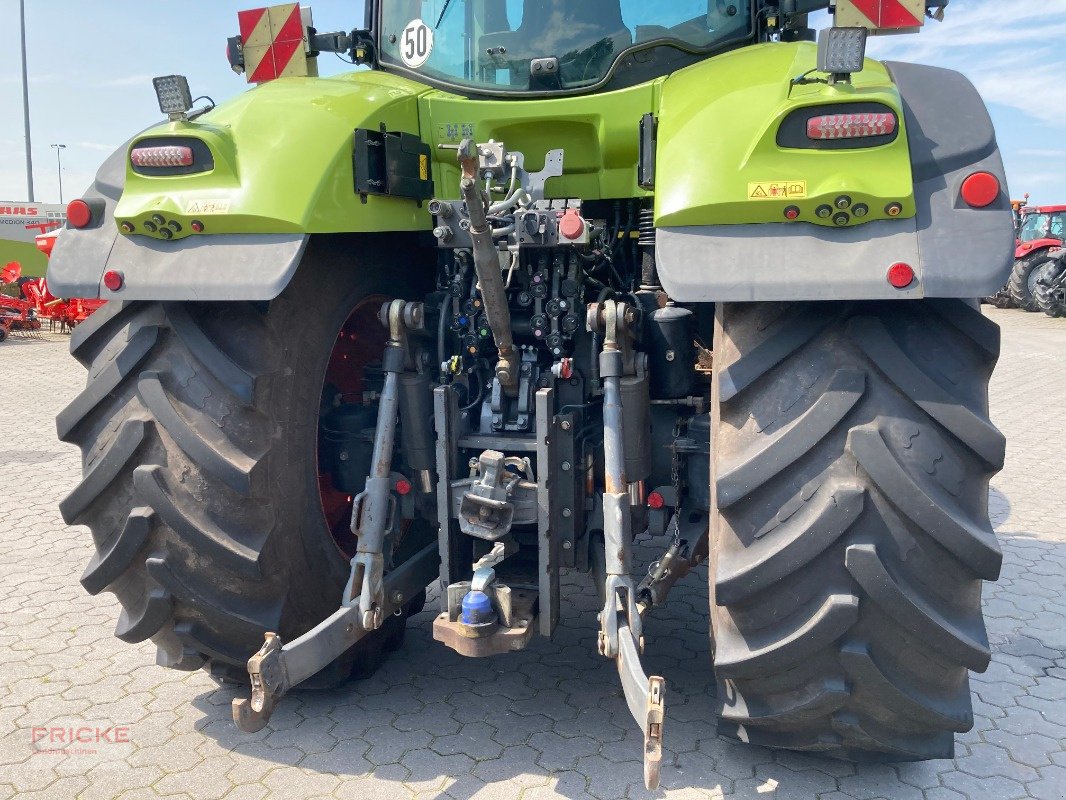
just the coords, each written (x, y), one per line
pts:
(416, 43)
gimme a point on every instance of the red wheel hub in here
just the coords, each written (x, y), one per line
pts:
(360, 343)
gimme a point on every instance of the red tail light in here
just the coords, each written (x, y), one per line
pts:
(851, 126)
(79, 214)
(980, 189)
(162, 156)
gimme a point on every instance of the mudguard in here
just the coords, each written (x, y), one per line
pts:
(252, 266)
(1035, 246)
(294, 178)
(721, 237)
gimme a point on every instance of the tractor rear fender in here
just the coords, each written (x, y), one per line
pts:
(1035, 246)
(281, 170)
(717, 243)
(220, 267)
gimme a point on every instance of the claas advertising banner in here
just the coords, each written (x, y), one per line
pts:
(20, 224)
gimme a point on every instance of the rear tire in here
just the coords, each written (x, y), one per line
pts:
(1001, 299)
(198, 431)
(1023, 280)
(850, 538)
(1049, 289)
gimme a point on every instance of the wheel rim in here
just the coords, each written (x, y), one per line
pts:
(359, 343)
(1048, 287)
(1034, 277)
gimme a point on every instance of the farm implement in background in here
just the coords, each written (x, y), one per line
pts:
(18, 317)
(34, 304)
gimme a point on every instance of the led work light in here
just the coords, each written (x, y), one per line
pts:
(841, 51)
(174, 96)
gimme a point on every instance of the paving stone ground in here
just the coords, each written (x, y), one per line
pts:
(547, 722)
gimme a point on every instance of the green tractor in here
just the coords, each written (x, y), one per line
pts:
(548, 275)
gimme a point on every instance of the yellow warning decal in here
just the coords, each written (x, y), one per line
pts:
(777, 190)
(423, 167)
(207, 207)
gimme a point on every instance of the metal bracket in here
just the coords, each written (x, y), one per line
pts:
(493, 160)
(548, 511)
(614, 321)
(534, 181)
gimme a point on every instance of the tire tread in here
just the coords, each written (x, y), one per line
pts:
(846, 622)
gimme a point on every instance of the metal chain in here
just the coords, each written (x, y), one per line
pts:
(675, 481)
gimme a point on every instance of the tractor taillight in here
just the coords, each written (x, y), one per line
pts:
(162, 156)
(851, 126)
(79, 214)
(980, 189)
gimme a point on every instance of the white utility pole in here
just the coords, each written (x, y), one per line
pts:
(26, 103)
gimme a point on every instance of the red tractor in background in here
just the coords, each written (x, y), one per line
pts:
(1041, 231)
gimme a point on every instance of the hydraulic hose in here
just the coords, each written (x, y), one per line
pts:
(514, 195)
(509, 203)
(442, 328)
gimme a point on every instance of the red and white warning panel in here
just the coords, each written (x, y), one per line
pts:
(881, 16)
(275, 43)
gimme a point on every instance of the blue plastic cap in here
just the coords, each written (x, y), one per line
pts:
(477, 609)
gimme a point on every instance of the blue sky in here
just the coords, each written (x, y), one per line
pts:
(91, 65)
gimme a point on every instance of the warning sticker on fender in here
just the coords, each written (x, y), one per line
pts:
(777, 190)
(207, 207)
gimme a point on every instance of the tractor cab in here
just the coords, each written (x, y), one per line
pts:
(518, 46)
(535, 47)
(1042, 223)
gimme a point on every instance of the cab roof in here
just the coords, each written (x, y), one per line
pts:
(1044, 209)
